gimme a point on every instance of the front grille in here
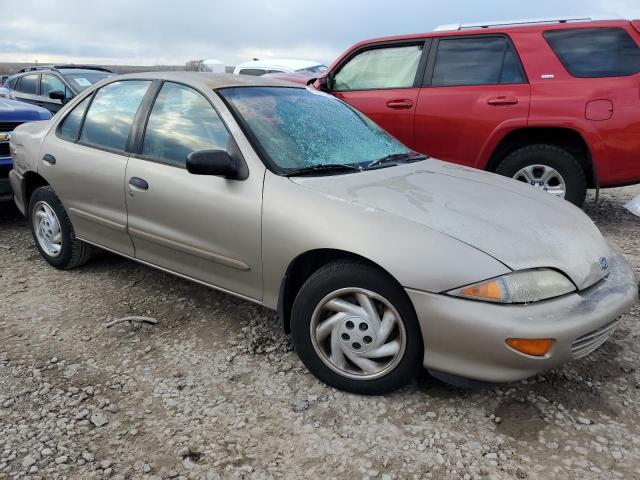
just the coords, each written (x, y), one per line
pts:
(9, 126)
(4, 146)
(586, 344)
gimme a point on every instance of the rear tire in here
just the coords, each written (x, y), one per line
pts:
(367, 350)
(531, 164)
(53, 232)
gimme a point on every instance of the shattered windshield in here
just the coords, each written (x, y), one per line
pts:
(298, 128)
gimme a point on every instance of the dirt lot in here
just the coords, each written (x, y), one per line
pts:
(214, 390)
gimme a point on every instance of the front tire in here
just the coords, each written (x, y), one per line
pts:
(53, 232)
(549, 168)
(355, 329)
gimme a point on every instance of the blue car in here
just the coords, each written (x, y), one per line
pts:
(12, 114)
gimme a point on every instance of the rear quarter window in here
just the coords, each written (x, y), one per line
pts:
(595, 52)
(70, 127)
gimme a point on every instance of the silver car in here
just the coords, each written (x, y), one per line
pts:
(377, 259)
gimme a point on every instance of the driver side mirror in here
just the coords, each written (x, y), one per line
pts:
(212, 162)
(325, 83)
(58, 95)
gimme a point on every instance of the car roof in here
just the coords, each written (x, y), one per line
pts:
(61, 71)
(288, 63)
(496, 27)
(209, 80)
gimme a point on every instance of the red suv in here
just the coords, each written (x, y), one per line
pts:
(554, 103)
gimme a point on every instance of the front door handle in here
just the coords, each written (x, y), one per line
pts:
(502, 101)
(138, 183)
(50, 159)
(400, 104)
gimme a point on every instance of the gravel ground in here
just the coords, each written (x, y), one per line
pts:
(214, 390)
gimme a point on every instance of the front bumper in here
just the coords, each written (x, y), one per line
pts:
(5, 190)
(5, 187)
(466, 338)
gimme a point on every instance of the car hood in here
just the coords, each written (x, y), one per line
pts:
(521, 227)
(15, 111)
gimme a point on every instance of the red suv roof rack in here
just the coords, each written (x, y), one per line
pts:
(524, 22)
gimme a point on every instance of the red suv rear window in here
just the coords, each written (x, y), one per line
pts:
(596, 52)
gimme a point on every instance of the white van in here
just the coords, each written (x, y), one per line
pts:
(260, 67)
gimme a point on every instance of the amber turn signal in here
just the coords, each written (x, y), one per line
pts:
(536, 347)
(487, 290)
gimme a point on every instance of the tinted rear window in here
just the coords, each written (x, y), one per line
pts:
(29, 84)
(110, 116)
(70, 126)
(476, 61)
(596, 52)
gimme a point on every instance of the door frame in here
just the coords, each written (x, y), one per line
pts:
(420, 72)
(433, 53)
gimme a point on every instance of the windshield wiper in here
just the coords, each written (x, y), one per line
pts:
(396, 157)
(323, 168)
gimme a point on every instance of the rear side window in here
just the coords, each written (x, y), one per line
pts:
(381, 68)
(182, 121)
(596, 52)
(110, 116)
(70, 126)
(29, 84)
(476, 61)
(254, 72)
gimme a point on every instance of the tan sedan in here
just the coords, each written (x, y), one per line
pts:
(377, 259)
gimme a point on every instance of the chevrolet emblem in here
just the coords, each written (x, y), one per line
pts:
(5, 136)
(604, 263)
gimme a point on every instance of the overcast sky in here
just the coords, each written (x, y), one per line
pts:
(150, 32)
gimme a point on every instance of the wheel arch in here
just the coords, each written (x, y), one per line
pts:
(30, 182)
(302, 267)
(566, 138)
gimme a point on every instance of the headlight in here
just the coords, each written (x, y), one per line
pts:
(518, 287)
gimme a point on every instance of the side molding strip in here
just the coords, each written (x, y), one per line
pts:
(99, 220)
(180, 275)
(207, 255)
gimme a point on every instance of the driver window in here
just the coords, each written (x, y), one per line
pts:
(381, 68)
(51, 83)
(182, 121)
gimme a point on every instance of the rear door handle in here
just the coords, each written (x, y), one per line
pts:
(502, 101)
(400, 104)
(50, 159)
(138, 183)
